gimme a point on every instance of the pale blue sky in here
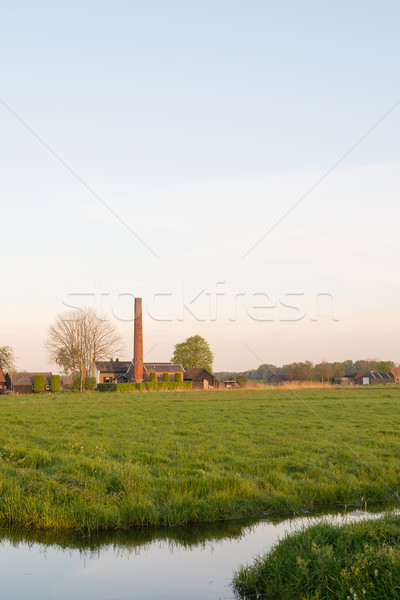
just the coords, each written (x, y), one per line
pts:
(200, 124)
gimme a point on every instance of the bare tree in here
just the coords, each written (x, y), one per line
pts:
(78, 339)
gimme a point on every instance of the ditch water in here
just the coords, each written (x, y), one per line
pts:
(181, 563)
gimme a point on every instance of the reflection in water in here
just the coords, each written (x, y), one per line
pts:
(191, 562)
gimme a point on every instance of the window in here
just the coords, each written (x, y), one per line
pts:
(107, 380)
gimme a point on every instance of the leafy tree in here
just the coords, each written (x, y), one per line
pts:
(338, 369)
(384, 366)
(300, 371)
(7, 358)
(194, 352)
(323, 371)
(242, 380)
(362, 366)
(348, 366)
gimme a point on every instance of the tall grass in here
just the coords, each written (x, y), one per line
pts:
(348, 562)
(74, 461)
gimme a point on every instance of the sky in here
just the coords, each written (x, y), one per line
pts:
(235, 164)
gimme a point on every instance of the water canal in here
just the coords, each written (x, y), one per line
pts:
(181, 563)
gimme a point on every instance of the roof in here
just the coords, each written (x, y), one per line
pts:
(124, 367)
(276, 376)
(374, 375)
(27, 378)
(193, 373)
(381, 375)
(112, 366)
(166, 367)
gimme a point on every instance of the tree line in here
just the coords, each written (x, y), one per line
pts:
(307, 371)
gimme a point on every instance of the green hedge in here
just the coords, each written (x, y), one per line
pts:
(55, 383)
(38, 384)
(125, 387)
(107, 387)
(178, 377)
(165, 377)
(159, 386)
(153, 377)
(90, 383)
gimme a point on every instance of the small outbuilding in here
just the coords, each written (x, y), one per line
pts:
(230, 384)
(276, 379)
(201, 379)
(22, 383)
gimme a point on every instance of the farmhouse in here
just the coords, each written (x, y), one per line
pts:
(116, 371)
(201, 379)
(111, 371)
(22, 383)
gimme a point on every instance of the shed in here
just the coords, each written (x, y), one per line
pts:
(22, 383)
(201, 379)
(275, 379)
(230, 384)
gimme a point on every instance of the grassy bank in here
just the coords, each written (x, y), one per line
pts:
(121, 460)
(348, 562)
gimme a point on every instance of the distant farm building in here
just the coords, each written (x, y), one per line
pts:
(276, 379)
(230, 384)
(373, 378)
(201, 379)
(367, 378)
(116, 371)
(22, 383)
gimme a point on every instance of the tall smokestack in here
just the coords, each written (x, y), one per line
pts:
(138, 342)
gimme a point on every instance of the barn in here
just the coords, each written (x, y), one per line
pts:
(22, 383)
(201, 379)
(373, 378)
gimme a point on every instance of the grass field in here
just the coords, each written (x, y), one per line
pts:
(113, 460)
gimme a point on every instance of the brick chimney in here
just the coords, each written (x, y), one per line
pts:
(138, 343)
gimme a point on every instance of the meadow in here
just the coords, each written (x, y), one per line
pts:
(122, 460)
